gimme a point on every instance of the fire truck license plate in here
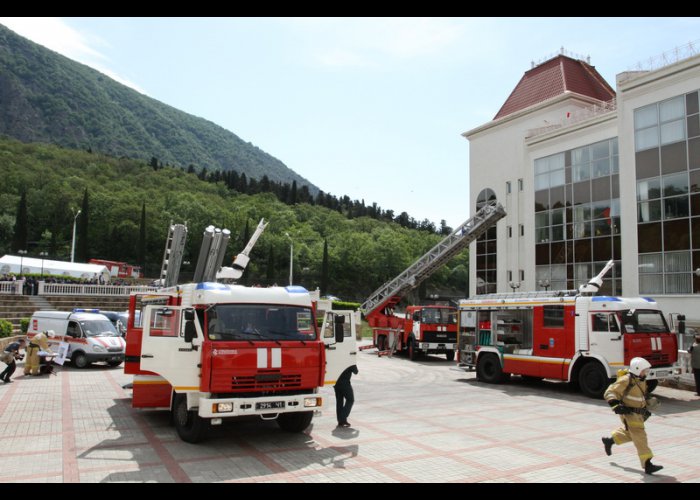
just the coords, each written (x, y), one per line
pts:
(269, 405)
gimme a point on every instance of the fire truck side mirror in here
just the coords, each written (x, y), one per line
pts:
(189, 314)
(338, 328)
(681, 324)
(190, 331)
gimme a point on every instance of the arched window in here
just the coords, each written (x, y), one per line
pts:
(486, 250)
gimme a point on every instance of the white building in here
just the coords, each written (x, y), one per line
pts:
(587, 174)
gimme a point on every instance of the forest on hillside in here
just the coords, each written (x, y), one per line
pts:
(128, 204)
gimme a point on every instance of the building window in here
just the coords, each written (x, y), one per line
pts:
(510, 276)
(508, 187)
(522, 230)
(486, 250)
(553, 316)
(667, 166)
(577, 215)
(510, 231)
(520, 184)
(522, 275)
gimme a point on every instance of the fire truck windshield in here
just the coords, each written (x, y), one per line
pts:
(259, 322)
(644, 321)
(438, 316)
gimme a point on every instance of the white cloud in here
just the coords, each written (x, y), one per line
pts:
(53, 33)
(363, 42)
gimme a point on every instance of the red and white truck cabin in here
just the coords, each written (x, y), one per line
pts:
(581, 339)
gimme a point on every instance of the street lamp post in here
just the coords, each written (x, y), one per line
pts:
(43, 255)
(544, 284)
(21, 253)
(291, 258)
(72, 247)
(514, 285)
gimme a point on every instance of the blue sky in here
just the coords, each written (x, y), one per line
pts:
(372, 108)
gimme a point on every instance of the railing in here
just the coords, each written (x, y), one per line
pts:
(11, 287)
(669, 57)
(576, 117)
(97, 290)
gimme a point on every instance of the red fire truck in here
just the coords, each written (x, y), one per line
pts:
(209, 351)
(573, 336)
(119, 269)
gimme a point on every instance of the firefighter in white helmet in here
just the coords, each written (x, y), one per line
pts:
(40, 342)
(627, 397)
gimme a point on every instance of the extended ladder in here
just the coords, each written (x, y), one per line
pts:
(392, 291)
(172, 257)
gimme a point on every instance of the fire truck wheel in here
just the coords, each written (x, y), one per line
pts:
(651, 385)
(295, 422)
(79, 360)
(450, 355)
(488, 369)
(593, 380)
(190, 427)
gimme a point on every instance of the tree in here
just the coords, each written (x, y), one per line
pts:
(153, 163)
(20, 239)
(83, 245)
(141, 251)
(324, 269)
(270, 273)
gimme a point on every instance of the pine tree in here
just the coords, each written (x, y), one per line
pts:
(270, 274)
(21, 239)
(324, 269)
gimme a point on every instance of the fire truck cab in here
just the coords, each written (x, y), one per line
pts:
(209, 351)
(584, 340)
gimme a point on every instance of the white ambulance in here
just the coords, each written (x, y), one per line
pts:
(91, 336)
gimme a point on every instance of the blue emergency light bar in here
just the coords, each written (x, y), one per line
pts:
(81, 310)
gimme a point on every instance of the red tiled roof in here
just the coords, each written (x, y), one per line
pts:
(552, 78)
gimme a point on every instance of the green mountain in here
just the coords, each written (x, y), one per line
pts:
(46, 97)
(363, 252)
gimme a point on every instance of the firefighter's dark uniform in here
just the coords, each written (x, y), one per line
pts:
(344, 395)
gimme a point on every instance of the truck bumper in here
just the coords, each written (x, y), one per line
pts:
(107, 356)
(269, 405)
(432, 347)
(664, 372)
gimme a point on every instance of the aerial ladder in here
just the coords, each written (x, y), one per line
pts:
(241, 261)
(172, 257)
(378, 309)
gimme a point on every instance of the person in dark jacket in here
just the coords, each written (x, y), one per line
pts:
(9, 356)
(344, 396)
(694, 351)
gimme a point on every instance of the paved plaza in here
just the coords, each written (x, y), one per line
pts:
(413, 422)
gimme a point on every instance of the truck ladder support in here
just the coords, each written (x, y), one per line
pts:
(424, 267)
(172, 257)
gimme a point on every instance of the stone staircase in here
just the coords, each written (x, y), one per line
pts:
(14, 308)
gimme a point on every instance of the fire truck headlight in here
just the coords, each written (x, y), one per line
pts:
(98, 348)
(313, 402)
(222, 408)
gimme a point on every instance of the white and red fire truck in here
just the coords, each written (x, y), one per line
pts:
(573, 336)
(209, 351)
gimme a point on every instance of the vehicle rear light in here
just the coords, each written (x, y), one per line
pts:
(313, 402)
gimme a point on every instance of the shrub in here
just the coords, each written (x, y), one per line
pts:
(24, 325)
(5, 328)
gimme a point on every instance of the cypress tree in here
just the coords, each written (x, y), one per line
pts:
(20, 238)
(324, 269)
(141, 251)
(83, 245)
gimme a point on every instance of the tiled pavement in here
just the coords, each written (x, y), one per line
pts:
(412, 422)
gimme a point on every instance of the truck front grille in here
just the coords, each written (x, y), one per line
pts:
(440, 337)
(266, 382)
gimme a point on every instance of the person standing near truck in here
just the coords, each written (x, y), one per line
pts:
(694, 351)
(344, 396)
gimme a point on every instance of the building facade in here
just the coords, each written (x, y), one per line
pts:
(588, 173)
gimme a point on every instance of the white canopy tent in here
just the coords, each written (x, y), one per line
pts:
(30, 265)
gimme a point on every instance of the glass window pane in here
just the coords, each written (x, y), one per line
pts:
(649, 211)
(541, 181)
(647, 138)
(542, 219)
(678, 283)
(651, 283)
(672, 109)
(557, 217)
(580, 155)
(645, 117)
(542, 235)
(557, 178)
(557, 233)
(650, 263)
(541, 166)
(676, 207)
(582, 172)
(600, 150)
(676, 262)
(614, 146)
(582, 229)
(673, 132)
(675, 184)
(601, 167)
(649, 189)
(615, 165)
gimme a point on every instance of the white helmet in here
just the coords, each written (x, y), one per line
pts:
(638, 365)
(50, 333)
